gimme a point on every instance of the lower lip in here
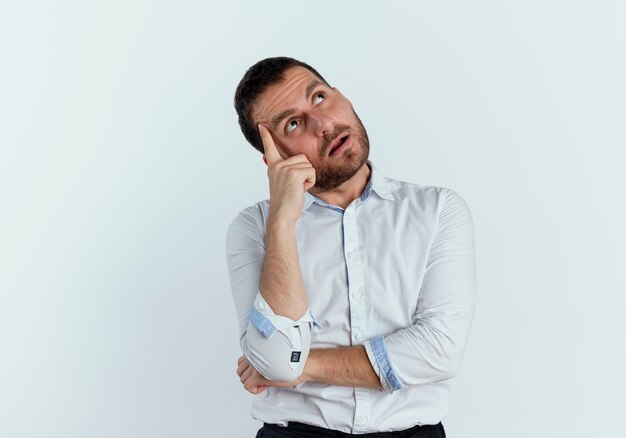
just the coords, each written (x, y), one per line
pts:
(341, 148)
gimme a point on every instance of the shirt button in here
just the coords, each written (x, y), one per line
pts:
(362, 418)
(356, 294)
(358, 337)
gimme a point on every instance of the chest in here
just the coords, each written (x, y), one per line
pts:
(363, 268)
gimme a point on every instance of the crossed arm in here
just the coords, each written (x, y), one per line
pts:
(344, 366)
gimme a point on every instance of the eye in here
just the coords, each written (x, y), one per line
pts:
(318, 95)
(291, 125)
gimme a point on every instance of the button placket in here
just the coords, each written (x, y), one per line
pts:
(355, 274)
(354, 264)
(362, 410)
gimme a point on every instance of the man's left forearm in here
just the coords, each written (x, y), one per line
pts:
(344, 366)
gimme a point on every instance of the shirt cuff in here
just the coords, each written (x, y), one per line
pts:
(379, 358)
(267, 322)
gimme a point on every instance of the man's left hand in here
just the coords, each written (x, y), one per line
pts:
(255, 383)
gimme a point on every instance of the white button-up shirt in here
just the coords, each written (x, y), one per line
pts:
(395, 271)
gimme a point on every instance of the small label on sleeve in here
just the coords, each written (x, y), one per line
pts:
(295, 356)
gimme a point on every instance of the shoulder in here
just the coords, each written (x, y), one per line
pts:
(250, 221)
(440, 201)
(251, 214)
(425, 194)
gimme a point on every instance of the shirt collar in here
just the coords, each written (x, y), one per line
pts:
(377, 182)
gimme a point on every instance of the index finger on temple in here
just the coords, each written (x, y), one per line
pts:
(269, 148)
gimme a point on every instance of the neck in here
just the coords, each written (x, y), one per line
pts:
(343, 195)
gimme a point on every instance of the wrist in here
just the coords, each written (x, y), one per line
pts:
(308, 374)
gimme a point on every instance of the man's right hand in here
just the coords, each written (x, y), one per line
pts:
(289, 179)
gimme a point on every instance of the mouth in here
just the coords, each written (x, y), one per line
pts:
(339, 144)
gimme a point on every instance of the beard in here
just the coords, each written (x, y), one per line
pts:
(334, 171)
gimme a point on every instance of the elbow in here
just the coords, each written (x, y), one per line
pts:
(450, 363)
(280, 357)
(449, 373)
(281, 371)
(285, 375)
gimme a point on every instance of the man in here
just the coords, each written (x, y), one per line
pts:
(354, 292)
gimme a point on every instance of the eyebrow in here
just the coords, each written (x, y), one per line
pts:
(309, 89)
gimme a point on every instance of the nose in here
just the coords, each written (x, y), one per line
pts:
(321, 124)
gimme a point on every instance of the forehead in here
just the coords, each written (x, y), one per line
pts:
(286, 94)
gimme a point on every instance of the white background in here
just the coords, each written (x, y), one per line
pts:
(122, 164)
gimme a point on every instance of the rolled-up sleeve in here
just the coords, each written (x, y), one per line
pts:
(275, 345)
(432, 348)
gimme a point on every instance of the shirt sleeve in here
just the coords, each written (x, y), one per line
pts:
(267, 322)
(432, 348)
(276, 346)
